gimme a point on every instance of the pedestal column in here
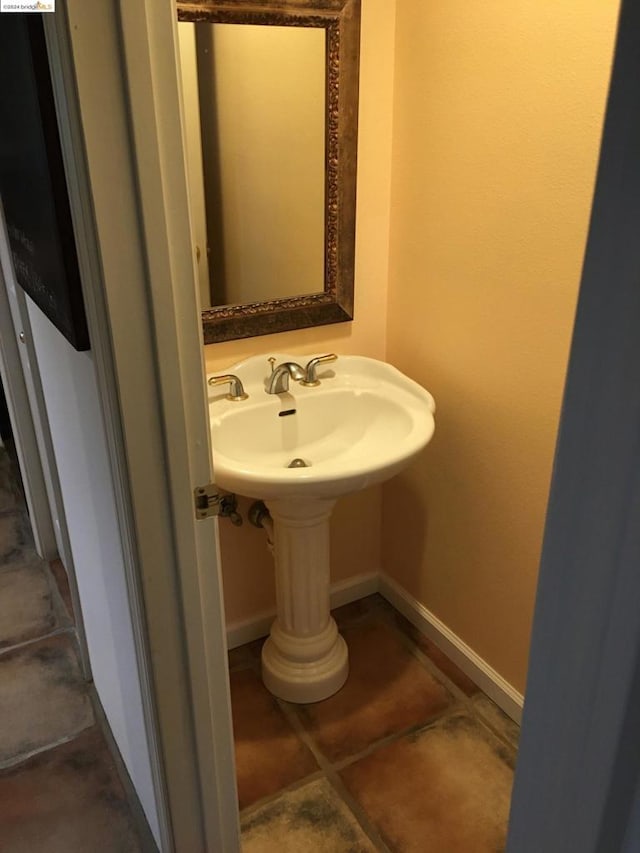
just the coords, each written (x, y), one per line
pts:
(304, 659)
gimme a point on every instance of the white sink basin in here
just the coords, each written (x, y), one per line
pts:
(360, 426)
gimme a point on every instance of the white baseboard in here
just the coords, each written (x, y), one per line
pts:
(478, 670)
(343, 592)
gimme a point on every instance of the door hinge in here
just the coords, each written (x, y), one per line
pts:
(207, 501)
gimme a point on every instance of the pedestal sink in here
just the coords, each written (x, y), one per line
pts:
(362, 424)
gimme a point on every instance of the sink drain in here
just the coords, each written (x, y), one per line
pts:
(298, 463)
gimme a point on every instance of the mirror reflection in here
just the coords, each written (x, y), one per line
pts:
(255, 107)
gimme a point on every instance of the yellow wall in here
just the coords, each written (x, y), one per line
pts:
(497, 119)
(497, 111)
(246, 565)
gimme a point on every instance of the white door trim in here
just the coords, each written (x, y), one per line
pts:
(139, 291)
(150, 41)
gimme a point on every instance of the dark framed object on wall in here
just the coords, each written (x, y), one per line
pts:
(32, 180)
(334, 300)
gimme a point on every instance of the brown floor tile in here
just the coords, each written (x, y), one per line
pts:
(62, 582)
(8, 500)
(387, 692)
(27, 605)
(357, 610)
(10, 493)
(444, 664)
(247, 655)
(312, 819)
(16, 541)
(496, 719)
(66, 800)
(269, 754)
(240, 657)
(42, 697)
(445, 789)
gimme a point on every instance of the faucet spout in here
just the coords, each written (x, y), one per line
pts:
(278, 382)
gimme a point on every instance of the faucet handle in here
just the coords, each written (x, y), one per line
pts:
(310, 378)
(236, 391)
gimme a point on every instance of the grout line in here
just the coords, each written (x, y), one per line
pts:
(248, 811)
(57, 632)
(447, 713)
(21, 758)
(294, 721)
(19, 559)
(60, 608)
(358, 812)
(62, 620)
(253, 663)
(500, 736)
(427, 663)
(332, 776)
(16, 510)
(463, 698)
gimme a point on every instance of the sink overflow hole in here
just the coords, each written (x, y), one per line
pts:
(298, 463)
(286, 412)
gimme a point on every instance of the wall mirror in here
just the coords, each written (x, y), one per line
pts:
(270, 93)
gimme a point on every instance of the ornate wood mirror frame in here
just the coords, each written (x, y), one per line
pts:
(341, 21)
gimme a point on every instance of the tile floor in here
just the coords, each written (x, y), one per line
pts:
(408, 756)
(59, 789)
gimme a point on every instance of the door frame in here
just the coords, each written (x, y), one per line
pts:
(148, 279)
(131, 226)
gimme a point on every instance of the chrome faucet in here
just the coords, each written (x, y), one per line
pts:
(278, 381)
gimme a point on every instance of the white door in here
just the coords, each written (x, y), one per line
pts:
(20, 392)
(139, 286)
(31, 433)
